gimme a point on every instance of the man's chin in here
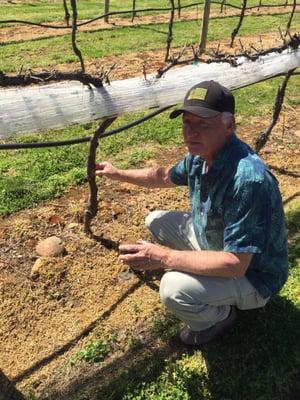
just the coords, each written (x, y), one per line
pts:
(195, 149)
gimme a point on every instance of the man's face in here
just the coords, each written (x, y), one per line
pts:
(205, 136)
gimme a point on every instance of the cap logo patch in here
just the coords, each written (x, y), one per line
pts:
(197, 94)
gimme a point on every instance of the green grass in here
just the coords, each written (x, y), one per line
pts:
(44, 11)
(93, 45)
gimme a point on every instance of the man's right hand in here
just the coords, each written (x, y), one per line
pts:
(108, 170)
(147, 177)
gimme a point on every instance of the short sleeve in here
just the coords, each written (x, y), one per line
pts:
(246, 218)
(179, 173)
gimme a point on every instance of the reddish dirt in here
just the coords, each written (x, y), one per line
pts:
(25, 32)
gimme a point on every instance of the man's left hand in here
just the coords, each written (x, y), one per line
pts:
(143, 255)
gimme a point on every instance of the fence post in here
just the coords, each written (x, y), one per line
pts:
(204, 31)
(133, 10)
(106, 10)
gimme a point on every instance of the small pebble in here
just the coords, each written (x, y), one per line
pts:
(36, 268)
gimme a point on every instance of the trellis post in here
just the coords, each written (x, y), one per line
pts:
(204, 29)
(106, 10)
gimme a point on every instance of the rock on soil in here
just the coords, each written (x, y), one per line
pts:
(36, 268)
(50, 247)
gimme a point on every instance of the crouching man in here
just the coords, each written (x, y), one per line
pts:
(230, 251)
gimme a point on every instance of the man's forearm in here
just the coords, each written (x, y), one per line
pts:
(149, 177)
(207, 263)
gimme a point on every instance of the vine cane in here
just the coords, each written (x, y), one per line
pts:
(92, 206)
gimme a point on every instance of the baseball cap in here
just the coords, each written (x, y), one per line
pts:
(207, 99)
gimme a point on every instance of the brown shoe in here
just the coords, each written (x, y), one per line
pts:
(192, 338)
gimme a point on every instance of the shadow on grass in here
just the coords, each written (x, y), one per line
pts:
(293, 229)
(143, 362)
(260, 359)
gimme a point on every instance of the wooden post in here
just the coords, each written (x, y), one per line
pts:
(170, 31)
(133, 10)
(205, 21)
(179, 9)
(106, 10)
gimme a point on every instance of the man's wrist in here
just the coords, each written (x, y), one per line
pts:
(167, 257)
(120, 175)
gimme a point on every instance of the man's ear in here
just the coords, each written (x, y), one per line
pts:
(231, 125)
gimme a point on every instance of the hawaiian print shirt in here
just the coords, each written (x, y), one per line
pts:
(237, 207)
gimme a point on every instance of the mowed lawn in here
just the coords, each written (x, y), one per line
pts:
(261, 358)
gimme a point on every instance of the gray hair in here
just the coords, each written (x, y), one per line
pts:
(226, 117)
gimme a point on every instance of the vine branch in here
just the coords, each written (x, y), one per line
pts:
(67, 14)
(263, 138)
(288, 26)
(237, 28)
(31, 77)
(74, 29)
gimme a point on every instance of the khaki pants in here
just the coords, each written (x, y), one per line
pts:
(199, 301)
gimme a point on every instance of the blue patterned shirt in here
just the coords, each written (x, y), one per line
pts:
(237, 207)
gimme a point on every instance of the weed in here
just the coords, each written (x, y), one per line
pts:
(76, 210)
(92, 353)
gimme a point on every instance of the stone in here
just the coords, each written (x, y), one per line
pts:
(267, 150)
(50, 247)
(73, 225)
(36, 268)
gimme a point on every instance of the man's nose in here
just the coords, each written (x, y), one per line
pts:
(190, 131)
